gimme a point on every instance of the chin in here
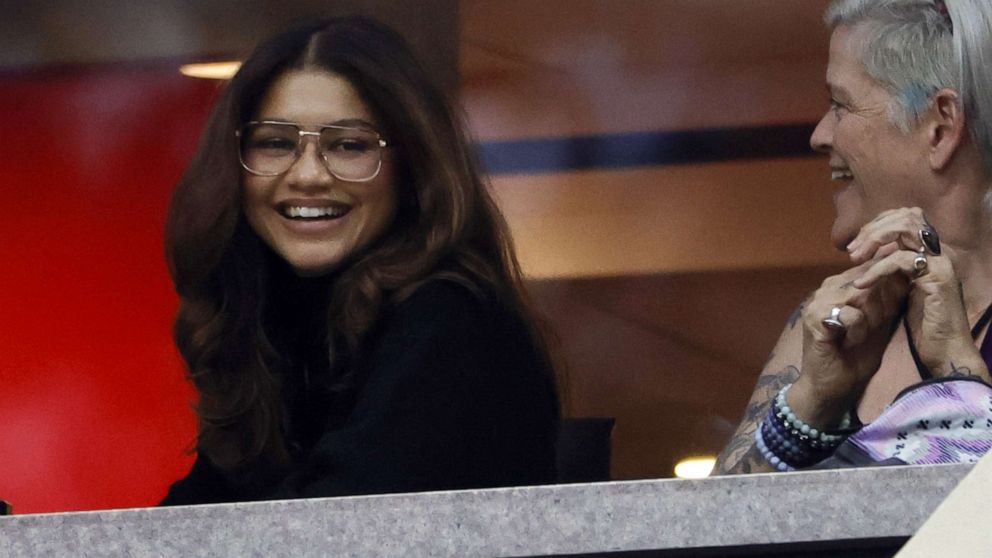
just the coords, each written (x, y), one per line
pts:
(842, 235)
(312, 268)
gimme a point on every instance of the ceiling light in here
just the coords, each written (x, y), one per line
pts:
(211, 70)
(695, 467)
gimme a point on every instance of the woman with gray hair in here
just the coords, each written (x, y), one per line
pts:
(897, 341)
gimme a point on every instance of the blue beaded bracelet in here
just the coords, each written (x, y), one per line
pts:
(769, 456)
(789, 446)
(788, 443)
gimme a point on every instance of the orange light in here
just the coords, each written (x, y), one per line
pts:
(211, 70)
(695, 467)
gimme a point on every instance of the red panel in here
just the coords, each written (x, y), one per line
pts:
(95, 410)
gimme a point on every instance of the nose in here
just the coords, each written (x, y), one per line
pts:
(309, 169)
(823, 135)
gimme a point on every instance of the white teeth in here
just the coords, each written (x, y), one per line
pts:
(313, 212)
(841, 175)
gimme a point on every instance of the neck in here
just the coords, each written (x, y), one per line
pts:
(965, 227)
(297, 306)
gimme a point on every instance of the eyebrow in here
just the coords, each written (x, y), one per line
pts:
(353, 123)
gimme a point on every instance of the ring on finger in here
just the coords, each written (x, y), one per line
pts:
(930, 240)
(920, 264)
(833, 321)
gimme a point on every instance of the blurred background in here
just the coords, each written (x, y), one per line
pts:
(651, 157)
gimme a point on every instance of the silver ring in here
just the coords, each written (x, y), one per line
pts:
(920, 264)
(930, 240)
(833, 322)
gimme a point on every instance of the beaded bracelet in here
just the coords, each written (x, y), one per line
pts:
(792, 422)
(795, 449)
(784, 451)
(781, 445)
(787, 442)
(768, 455)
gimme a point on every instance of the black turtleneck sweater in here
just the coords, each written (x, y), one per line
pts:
(451, 394)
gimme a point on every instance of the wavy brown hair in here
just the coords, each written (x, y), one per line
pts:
(447, 225)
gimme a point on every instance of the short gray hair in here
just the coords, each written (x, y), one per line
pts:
(914, 48)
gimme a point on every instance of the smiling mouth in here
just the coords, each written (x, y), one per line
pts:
(303, 213)
(841, 174)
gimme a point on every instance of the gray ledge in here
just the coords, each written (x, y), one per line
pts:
(581, 519)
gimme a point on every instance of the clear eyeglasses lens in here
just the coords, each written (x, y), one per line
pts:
(270, 149)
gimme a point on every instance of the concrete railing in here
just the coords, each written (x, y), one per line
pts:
(810, 514)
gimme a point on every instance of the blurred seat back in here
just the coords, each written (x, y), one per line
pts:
(584, 445)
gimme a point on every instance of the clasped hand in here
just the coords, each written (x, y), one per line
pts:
(893, 270)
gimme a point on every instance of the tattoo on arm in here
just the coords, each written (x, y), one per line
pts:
(961, 370)
(741, 455)
(748, 462)
(796, 315)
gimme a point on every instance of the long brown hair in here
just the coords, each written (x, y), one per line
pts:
(447, 225)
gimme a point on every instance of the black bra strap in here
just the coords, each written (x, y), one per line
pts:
(923, 369)
(982, 322)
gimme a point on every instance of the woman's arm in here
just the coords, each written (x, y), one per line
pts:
(740, 454)
(829, 367)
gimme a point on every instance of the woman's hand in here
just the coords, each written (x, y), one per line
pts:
(936, 314)
(838, 362)
(896, 226)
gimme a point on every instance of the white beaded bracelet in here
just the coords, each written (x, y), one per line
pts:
(797, 424)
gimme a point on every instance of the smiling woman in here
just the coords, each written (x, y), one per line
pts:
(315, 204)
(869, 154)
(900, 340)
(351, 311)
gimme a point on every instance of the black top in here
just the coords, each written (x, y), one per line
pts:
(451, 395)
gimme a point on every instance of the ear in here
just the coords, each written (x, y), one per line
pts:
(946, 128)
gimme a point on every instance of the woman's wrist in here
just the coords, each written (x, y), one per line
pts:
(788, 443)
(961, 359)
(961, 366)
(824, 409)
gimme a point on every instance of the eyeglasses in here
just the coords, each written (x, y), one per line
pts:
(271, 148)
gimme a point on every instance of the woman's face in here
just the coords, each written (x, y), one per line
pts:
(309, 217)
(878, 165)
